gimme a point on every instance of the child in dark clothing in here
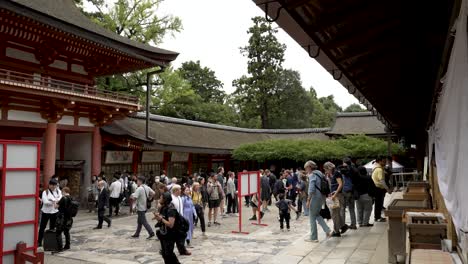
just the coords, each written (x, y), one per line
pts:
(285, 207)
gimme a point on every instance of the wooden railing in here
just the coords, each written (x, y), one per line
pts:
(9, 77)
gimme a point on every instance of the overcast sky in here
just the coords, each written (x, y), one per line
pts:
(215, 29)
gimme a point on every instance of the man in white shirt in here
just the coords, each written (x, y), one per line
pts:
(115, 190)
(141, 195)
(176, 199)
(50, 198)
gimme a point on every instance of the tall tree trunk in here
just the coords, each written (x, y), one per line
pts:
(264, 114)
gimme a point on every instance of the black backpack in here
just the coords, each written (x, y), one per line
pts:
(73, 207)
(182, 225)
(283, 207)
(324, 186)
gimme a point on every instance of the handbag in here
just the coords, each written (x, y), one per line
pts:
(325, 213)
(333, 203)
(148, 200)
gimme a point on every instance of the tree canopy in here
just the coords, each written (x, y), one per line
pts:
(358, 146)
(355, 108)
(203, 81)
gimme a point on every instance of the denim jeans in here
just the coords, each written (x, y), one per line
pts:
(304, 205)
(348, 202)
(316, 204)
(364, 209)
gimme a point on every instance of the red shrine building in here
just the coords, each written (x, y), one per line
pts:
(50, 55)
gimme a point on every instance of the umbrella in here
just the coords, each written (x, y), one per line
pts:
(396, 167)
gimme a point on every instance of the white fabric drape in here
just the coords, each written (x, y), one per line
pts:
(449, 132)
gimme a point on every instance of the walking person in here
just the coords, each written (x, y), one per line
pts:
(64, 220)
(285, 207)
(382, 188)
(231, 193)
(215, 192)
(348, 196)
(204, 190)
(265, 194)
(103, 200)
(132, 186)
(222, 182)
(143, 196)
(197, 199)
(92, 195)
(178, 204)
(336, 185)
(366, 190)
(50, 197)
(115, 189)
(167, 233)
(189, 213)
(302, 188)
(315, 201)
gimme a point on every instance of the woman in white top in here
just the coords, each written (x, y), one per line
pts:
(50, 198)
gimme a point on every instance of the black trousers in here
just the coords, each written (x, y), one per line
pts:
(201, 216)
(299, 205)
(58, 234)
(102, 217)
(167, 249)
(284, 218)
(180, 243)
(379, 201)
(141, 221)
(247, 200)
(230, 204)
(114, 202)
(46, 218)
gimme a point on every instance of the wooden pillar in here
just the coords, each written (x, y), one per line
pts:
(135, 161)
(62, 146)
(166, 158)
(96, 151)
(210, 163)
(49, 152)
(190, 164)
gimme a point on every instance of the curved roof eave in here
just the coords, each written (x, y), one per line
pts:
(65, 16)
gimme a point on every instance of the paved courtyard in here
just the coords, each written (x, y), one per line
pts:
(263, 245)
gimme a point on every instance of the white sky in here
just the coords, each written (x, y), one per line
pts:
(213, 31)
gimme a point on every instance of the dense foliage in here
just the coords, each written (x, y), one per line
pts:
(355, 108)
(358, 146)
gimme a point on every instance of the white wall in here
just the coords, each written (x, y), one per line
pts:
(79, 147)
(41, 139)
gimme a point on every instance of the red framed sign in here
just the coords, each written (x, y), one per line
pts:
(19, 185)
(248, 184)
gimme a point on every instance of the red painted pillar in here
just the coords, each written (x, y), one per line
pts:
(49, 152)
(210, 163)
(190, 164)
(166, 158)
(96, 152)
(135, 161)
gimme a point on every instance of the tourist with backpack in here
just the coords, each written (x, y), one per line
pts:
(67, 209)
(168, 229)
(190, 214)
(318, 190)
(350, 180)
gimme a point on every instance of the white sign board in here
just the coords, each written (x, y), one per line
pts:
(19, 163)
(152, 156)
(119, 157)
(179, 157)
(249, 182)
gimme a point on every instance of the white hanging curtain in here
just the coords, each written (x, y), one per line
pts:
(449, 132)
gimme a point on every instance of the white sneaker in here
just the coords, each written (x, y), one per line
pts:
(310, 240)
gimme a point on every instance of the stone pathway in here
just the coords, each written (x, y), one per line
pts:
(263, 244)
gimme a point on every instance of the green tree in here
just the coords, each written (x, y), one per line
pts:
(289, 100)
(320, 116)
(203, 81)
(265, 57)
(354, 108)
(137, 20)
(176, 98)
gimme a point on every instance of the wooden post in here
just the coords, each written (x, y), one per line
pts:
(21, 256)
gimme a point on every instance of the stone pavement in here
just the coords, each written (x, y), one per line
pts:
(263, 245)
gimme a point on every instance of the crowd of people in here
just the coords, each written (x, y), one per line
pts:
(179, 205)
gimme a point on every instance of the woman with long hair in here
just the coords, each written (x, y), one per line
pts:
(167, 233)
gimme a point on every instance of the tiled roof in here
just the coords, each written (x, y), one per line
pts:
(354, 123)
